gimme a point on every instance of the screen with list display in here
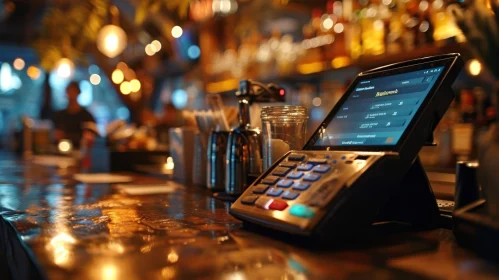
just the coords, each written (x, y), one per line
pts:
(379, 110)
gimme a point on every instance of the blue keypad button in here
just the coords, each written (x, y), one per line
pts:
(317, 160)
(311, 177)
(289, 195)
(274, 192)
(302, 211)
(296, 157)
(295, 175)
(284, 183)
(270, 180)
(260, 189)
(322, 168)
(343, 157)
(301, 186)
(280, 171)
(287, 164)
(335, 161)
(305, 167)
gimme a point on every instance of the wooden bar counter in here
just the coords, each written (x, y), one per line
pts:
(54, 227)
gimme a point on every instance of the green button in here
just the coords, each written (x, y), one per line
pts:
(300, 210)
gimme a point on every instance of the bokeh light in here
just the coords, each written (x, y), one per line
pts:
(157, 45)
(177, 31)
(19, 64)
(33, 72)
(117, 76)
(65, 68)
(149, 50)
(474, 67)
(111, 40)
(135, 85)
(95, 79)
(193, 52)
(179, 98)
(125, 88)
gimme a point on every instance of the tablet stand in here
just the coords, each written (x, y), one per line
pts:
(414, 203)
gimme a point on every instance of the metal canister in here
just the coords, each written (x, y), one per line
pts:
(216, 160)
(467, 188)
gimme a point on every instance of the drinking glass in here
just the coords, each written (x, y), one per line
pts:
(283, 129)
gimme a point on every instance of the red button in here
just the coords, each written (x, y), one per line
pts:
(278, 205)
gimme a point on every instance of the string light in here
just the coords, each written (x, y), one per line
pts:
(33, 72)
(423, 5)
(19, 64)
(64, 146)
(224, 6)
(95, 79)
(149, 51)
(117, 76)
(424, 26)
(125, 88)
(328, 23)
(338, 28)
(65, 68)
(135, 85)
(474, 67)
(317, 101)
(157, 45)
(177, 31)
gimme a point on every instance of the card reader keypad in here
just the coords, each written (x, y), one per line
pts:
(303, 183)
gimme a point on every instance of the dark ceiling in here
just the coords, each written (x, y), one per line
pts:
(20, 20)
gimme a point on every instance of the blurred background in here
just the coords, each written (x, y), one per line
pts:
(150, 61)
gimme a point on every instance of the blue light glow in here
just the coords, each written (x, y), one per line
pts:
(193, 52)
(123, 113)
(179, 98)
(8, 80)
(93, 69)
(86, 96)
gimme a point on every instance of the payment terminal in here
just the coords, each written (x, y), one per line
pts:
(361, 166)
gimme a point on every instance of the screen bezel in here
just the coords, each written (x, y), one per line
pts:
(404, 67)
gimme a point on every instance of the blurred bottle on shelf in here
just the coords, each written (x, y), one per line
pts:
(373, 31)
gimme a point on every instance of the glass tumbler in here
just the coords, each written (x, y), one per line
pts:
(283, 129)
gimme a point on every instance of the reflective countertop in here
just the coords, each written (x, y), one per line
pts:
(95, 231)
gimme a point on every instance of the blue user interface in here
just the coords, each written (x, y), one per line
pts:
(378, 110)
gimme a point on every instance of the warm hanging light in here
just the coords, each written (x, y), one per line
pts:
(33, 72)
(112, 39)
(474, 67)
(125, 88)
(117, 76)
(135, 85)
(65, 68)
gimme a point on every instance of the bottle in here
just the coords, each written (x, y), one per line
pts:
(339, 46)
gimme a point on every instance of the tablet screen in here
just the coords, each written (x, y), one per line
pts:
(379, 110)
